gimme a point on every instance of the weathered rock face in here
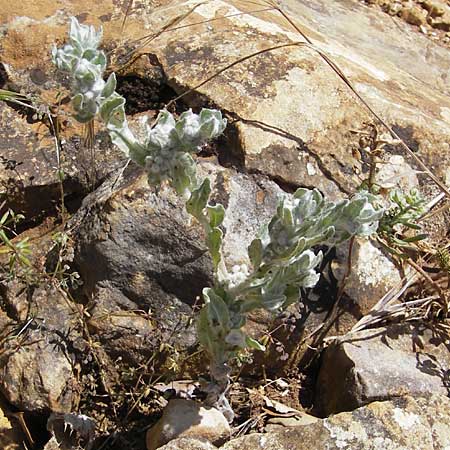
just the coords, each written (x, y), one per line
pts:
(372, 274)
(139, 251)
(38, 364)
(429, 15)
(37, 327)
(29, 179)
(185, 418)
(38, 377)
(404, 423)
(299, 116)
(381, 364)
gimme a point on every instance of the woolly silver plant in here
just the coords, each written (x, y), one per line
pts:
(282, 256)
(283, 261)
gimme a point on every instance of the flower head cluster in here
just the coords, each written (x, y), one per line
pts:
(169, 144)
(166, 150)
(86, 64)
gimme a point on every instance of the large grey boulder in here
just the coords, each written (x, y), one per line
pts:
(144, 262)
(381, 364)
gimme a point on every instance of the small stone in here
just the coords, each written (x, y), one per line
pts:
(38, 377)
(434, 8)
(397, 173)
(189, 419)
(372, 275)
(414, 16)
(296, 421)
(393, 9)
(52, 444)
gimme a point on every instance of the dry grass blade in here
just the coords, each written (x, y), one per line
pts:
(127, 12)
(234, 63)
(146, 40)
(150, 37)
(379, 311)
(15, 97)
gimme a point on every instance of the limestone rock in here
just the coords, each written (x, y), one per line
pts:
(381, 364)
(36, 366)
(297, 115)
(52, 444)
(185, 418)
(403, 423)
(435, 8)
(372, 274)
(188, 444)
(29, 170)
(442, 23)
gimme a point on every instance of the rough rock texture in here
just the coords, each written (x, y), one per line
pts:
(29, 170)
(404, 423)
(432, 16)
(38, 377)
(39, 326)
(299, 116)
(185, 418)
(140, 252)
(381, 364)
(372, 274)
(37, 366)
(188, 444)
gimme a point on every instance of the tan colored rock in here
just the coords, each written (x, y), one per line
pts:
(396, 173)
(11, 437)
(414, 15)
(298, 114)
(401, 424)
(188, 419)
(435, 8)
(278, 423)
(38, 376)
(442, 23)
(392, 8)
(381, 364)
(52, 444)
(188, 444)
